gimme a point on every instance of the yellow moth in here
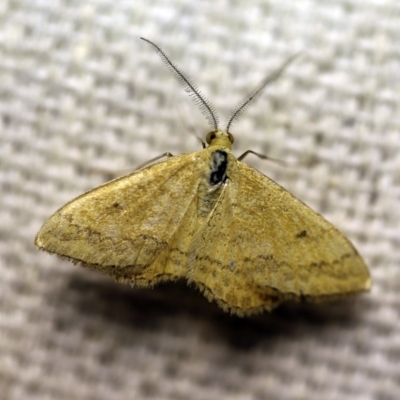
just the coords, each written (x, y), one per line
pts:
(207, 217)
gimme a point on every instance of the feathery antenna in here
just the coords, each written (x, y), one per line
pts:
(257, 91)
(205, 106)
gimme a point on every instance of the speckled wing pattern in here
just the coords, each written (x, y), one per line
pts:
(137, 228)
(261, 245)
(244, 240)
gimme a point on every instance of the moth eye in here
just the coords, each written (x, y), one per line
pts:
(210, 137)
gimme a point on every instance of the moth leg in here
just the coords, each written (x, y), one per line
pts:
(263, 156)
(167, 154)
(111, 174)
(191, 128)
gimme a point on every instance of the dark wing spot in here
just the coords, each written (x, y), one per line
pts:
(301, 234)
(118, 206)
(218, 167)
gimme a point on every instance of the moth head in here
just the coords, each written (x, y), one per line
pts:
(219, 134)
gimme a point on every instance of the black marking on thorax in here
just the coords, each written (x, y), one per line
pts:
(219, 163)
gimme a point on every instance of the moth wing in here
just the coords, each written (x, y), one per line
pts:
(268, 246)
(136, 228)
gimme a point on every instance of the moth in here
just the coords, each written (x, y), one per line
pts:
(209, 218)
